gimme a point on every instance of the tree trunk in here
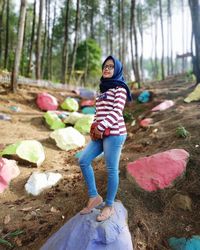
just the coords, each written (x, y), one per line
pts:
(156, 56)
(162, 35)
(119, 31)
(136, 66)
(152, 47)
(183, 34)
(92, 21)
(136, 52)
(19, 46)
(168, 36)
(32, 40)
(171, 39)
(195, 9)
(23, 54)
(52, 42)
(46, 73)
(131, 40)
(107, 42)
(140, 27)
(65, 45)
(44, 45)
(110, 26)
(2, 5)
(123, 32)
(38, 42)
(7, 34)
(86, 48)
(75, 39)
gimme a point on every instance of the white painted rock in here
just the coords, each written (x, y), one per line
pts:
(41, 181)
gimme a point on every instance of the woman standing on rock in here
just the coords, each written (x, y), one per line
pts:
(108, 134)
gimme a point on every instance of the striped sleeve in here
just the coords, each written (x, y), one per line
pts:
(116, 113)
(95, 117)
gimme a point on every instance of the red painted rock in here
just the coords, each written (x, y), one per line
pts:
(158, 171)
(87, 103)
(46, 102)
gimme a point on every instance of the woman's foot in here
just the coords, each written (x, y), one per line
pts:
(106, 213)
(92, 203)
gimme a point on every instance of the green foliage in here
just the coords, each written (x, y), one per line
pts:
(13, 26)
(59, 27)
(89, 53)
(190, 76)
(90, 11)
(142, 17)
(95, 23)
(139, 111)
(15, 233)
(5, 242)
(6, 239)
(182, 132)
(128, 117)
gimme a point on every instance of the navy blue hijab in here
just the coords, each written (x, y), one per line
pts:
(116, 80)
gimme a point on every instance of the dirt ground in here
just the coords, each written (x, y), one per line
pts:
(152, 217)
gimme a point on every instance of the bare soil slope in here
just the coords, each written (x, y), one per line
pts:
(153, 217)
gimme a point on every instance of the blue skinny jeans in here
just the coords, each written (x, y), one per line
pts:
(111, 146)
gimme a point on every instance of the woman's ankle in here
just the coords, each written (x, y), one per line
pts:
(95, 197)
(108, 205)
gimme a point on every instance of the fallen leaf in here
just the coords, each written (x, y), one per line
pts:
(54, 210)
(7, 219)
(33, 213)
(28, 217)
(26, 209)
(18, 241)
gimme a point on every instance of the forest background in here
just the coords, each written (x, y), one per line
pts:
(66, 41)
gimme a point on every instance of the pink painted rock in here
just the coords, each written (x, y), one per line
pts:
(163, 106)
(158, 171)
(8, 171)
(145, 123)
(46, 102)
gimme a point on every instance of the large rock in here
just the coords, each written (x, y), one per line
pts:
(46, 102)
(28, 150)
(70, 104)
(194, 95)
(84, 123)
(68, 138)
(163, 106)
(192, 243)
(83, 232)
(73, 117)
(38, 182)
(53, 120)
(8, 171)
(158, 171)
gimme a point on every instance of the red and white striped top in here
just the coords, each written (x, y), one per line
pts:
(109, 111)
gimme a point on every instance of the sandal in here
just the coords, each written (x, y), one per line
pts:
(92, 203)
(105, 214)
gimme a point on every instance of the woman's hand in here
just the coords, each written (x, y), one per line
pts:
(95, 134)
